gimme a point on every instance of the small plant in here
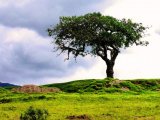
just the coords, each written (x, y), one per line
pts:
(34, 114)
(5, 100)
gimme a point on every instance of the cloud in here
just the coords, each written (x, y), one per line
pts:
(26, 51)
(40, 14)
(26, 57)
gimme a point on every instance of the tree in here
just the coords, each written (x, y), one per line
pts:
(97, 35)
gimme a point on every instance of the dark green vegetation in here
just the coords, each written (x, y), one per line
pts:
(97, 35)
(106, 99)
(34, 114)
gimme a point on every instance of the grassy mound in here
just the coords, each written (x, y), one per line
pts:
(108, 85)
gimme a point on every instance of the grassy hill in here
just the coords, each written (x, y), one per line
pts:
(108, 85)
(7, 86)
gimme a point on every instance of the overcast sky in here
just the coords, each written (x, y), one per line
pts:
(26, 50)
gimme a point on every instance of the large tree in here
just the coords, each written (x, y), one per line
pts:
(97, 35)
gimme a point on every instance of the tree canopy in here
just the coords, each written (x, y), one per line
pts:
(97, 35)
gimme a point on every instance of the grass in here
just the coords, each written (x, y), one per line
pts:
(141, 102)
(119, 106)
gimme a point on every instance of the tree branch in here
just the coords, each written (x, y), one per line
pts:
(100, 54)
(70, 49)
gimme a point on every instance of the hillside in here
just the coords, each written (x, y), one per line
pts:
(108, 85)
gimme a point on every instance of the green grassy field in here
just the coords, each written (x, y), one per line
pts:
(102, 103)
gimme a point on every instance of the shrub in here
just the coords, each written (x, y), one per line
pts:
(5, 100)
(41, 97)
(34, 114)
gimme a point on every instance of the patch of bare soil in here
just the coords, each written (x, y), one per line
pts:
(144, 118)
(125, 89)
(35, 89)
(79, 117)
(115, 82)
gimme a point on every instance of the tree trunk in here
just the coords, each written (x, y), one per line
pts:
(113, 51)
(109, 70)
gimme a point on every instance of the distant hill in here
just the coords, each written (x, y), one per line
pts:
(7, 85)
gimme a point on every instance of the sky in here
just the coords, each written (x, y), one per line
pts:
(26, 51)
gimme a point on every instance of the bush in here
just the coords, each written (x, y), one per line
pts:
(5, 100)
(34, 114)
(41, 97)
